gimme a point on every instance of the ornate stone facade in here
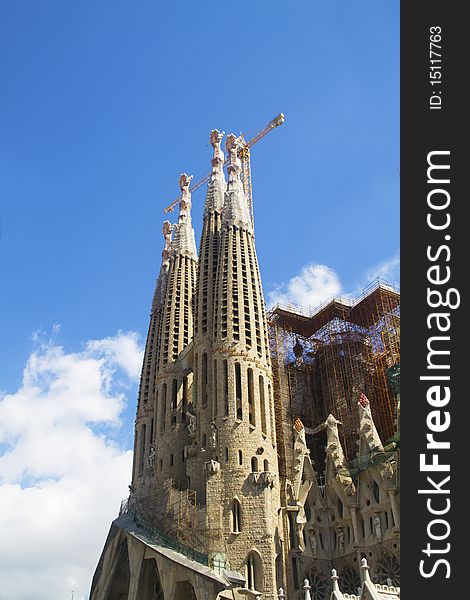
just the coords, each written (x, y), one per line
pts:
(226, 501)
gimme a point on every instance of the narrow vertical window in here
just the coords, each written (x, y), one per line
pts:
(238, 391)
(226, 454)
(163, 409)
(204, 379)
(185, 397)
(240, 457)
(262, 404)
(174, 395)
(142, 448)
(254, 464)
(214, 407)
(236, 516)
(251, 398)
(266, 465)
(225, 388)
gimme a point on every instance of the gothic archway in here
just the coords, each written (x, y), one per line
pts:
(184, 591)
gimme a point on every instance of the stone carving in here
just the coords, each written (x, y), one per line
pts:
(211, 467)
(213, 436)
(312, 538)
(167, 231)
(335, 451)
(233, 144)
(265, 478)
(300, 524)
(367, 427)
(184, 183)
(340, 539)
(377, 526)
(333, 445)
(268, 478)
(151, 457)
(192, 424)
(190, 451)
(219, 158)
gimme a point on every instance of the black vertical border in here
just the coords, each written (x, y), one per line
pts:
(424, 130)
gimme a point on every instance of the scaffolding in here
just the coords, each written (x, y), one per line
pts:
(324, 359)
(174, 518)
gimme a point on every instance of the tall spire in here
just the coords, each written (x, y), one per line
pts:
(184, 242)
(146, 401)
(236, 211)
(217, 184)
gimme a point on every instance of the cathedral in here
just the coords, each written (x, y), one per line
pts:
(266, 449)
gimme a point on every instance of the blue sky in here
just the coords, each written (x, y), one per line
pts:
(104, 104)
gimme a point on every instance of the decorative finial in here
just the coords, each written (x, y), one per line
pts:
(307, 587)
(185, 203)
(365, 569)
(334, 577)
(233, 145)
(281, 594)
(219, 157)
(363, 401)
(167, 231)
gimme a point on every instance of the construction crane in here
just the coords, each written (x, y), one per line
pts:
(244, 153)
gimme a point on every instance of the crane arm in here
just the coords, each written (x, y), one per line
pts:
(276, 122)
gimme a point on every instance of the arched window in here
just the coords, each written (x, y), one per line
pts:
(376, 492)
(254, 575)
(236, 516)
(265, 465)
(254, 464)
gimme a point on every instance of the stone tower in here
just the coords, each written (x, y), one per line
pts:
(225, 499)
(145, 419)
(161, 432)
(242, 488)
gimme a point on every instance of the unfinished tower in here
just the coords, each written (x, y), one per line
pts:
(262, 456)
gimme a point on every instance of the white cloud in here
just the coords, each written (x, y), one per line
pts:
(318, 283)
(315, 284)
(388, 270)
(62, 472)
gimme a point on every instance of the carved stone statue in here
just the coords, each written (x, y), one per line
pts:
(367, 426)
(215, 140)
(312, 538)
(233, 144)
(184, 182)
(192, 423)
(377, 526)
(167, 230)
(151, 457)
(211, 467)
(340, 539)
(213, 436)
